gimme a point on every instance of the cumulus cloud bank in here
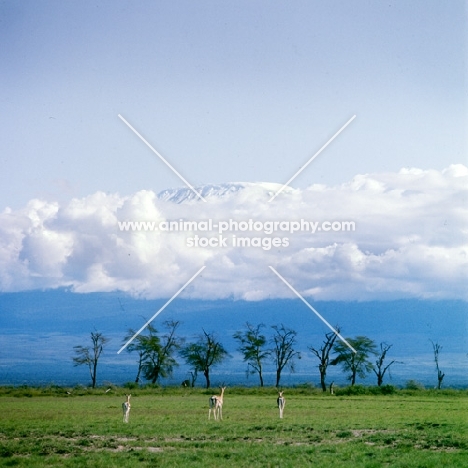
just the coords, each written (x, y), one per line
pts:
(409, 241)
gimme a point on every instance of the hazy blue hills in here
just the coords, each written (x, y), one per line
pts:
(40, 328)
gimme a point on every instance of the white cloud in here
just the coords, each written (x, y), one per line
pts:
(410, 241)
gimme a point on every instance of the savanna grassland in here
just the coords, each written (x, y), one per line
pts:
(169, 427)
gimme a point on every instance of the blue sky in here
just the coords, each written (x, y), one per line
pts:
(238, 91)
(227, 91)
(235, 91)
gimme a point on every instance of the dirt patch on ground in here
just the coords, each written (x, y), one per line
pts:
(362, 432)
(174, 439)
(154, 449)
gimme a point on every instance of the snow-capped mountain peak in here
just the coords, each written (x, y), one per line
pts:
(184, 194)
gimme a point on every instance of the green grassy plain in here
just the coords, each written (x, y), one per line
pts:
(169, 427)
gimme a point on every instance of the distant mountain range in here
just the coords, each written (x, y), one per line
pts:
(40, 328)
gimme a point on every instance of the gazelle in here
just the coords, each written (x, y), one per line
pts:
(281, 402)
(216, 405)
(126, 408)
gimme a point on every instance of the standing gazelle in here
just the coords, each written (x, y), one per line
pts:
(216, 405)
(126, 409)
(281, 401)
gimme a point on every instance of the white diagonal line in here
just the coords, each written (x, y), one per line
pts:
(312, 309)
(312, 158)
(161, 309)
(186, 182)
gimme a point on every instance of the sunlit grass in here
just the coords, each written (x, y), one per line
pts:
(170, 427)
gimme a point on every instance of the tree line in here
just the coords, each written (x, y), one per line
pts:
(157, 354)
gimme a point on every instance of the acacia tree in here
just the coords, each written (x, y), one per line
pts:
(156, 353)
(159, 360)
(89, 356)
(380, 368)
(204, 354)
(193, 377)
(356, 363)
(323, 354)
(283, 351)
(251, 345)
(440, 375)
(137, 345)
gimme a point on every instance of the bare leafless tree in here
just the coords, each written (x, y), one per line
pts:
(440, 375)
(380, 368)
(89, 356)
(323, 354)
(283, 350)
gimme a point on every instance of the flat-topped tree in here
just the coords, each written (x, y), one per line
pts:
(156, 351)
(138, 345)
(251, 345)
(356, 363)
(204, 354)
(161, 349)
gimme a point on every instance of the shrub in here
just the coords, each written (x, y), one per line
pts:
(307, 389)
(414, 385)
(352, 390)
(130, 385)
(387, 389)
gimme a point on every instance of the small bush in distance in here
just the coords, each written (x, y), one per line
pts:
(387, 389)
(352, 390)
(414, 385)
(130, 385)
